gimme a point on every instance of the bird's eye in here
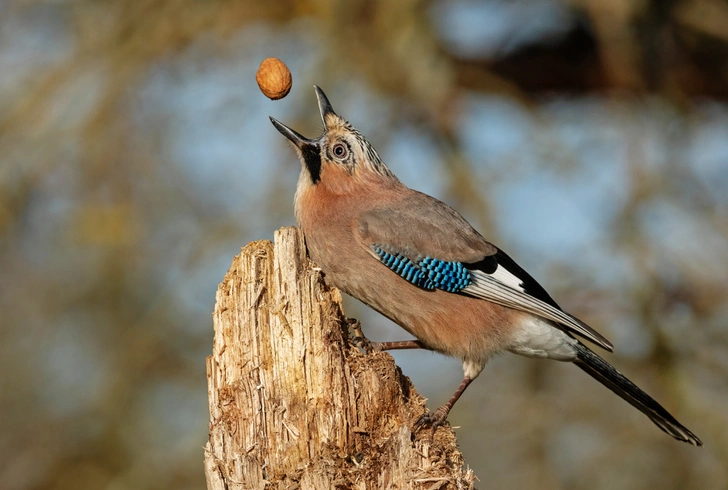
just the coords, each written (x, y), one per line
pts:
(340, 151)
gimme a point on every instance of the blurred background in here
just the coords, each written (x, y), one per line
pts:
(588, 138)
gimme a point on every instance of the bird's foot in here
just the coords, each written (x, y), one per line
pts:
(433, 419)
(358, 339)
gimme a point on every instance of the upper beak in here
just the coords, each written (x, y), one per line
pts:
(324, 104)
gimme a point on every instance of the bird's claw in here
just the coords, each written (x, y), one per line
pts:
(357, 337)
(433, 419)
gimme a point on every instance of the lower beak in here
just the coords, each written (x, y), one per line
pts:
(293, 136)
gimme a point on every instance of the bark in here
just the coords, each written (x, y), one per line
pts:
(293, 404)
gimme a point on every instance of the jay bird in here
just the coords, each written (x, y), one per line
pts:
(418, 262)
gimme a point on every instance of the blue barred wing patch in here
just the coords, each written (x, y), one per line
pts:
(427, 273)
(450, 276)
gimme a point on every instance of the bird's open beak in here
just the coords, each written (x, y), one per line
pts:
(296, 138)
(304, 144)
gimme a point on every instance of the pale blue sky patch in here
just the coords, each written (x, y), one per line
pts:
(495, 28)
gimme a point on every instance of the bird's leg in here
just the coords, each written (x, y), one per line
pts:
(398, 345)
(359, 340)
(438, 417)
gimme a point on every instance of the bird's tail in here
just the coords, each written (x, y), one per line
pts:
(605, 373)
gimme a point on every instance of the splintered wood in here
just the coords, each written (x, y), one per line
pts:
(294, 405)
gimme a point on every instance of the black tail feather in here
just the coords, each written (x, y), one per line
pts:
(605, 373)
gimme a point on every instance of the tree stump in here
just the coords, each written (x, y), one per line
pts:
(293, 404)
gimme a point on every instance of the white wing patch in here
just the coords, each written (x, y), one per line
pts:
(502, 275)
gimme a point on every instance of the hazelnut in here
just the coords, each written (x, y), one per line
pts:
(274, 78)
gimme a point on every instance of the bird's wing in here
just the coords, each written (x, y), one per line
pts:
(420, 225)
(500, 280)
(430, 245)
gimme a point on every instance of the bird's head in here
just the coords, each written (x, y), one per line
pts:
(340, 148)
